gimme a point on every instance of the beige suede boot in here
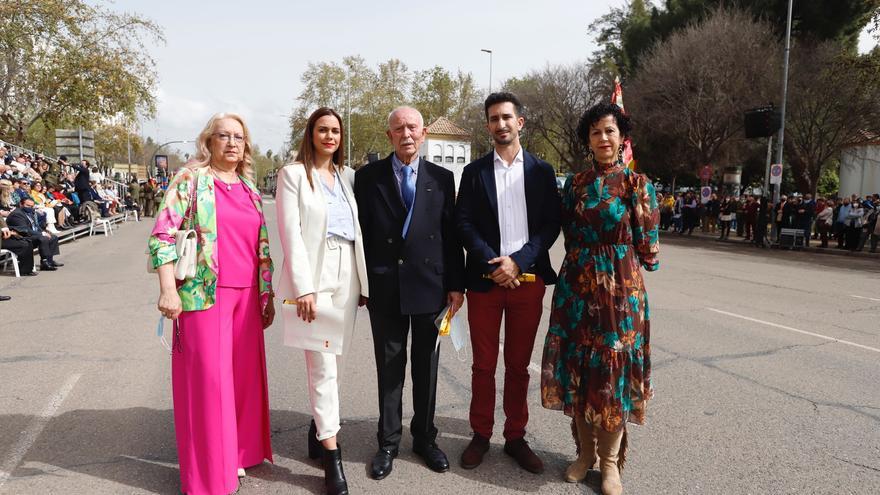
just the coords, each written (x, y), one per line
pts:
(610, 460)
(586, 440)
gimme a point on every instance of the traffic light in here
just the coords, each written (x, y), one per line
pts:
(762, 122)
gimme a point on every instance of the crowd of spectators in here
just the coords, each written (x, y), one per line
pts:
(41, 197)
(850, 221)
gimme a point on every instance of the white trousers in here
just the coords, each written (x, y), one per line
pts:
(50, 214)
(339, 281)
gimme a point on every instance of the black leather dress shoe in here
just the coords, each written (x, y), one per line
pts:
(45, 267)
(57, 264)
(383, 463)
(5, 298)
(31, 274)
(434, 458)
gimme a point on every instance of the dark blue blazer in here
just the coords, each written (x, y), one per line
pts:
(409, 276)
(476, 214)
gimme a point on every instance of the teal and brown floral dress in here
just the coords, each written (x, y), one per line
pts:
(597, 354)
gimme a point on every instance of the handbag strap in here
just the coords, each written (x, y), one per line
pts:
(189, 217)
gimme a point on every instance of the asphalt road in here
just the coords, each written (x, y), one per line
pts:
(765, 368)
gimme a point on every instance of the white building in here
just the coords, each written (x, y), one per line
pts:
(860, 169)
(448, 145)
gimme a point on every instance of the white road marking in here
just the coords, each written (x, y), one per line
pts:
(30, 435)
(534, 368)
(867, 298)
(790, 329)
(149, 461)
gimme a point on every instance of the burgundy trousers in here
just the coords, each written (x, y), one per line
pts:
(521, 308)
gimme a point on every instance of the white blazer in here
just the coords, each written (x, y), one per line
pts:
(302, 225)
(302, 217)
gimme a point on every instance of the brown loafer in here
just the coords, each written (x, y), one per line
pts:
(473, 454)
(520, 451)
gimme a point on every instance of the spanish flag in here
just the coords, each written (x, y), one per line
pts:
(617, 99)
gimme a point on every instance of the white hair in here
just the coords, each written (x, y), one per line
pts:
(406, 107)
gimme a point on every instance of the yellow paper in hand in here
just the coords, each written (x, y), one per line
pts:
(443, 329)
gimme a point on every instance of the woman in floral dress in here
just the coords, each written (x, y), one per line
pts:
(596, 364)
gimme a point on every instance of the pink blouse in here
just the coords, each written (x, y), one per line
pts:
(238, 232)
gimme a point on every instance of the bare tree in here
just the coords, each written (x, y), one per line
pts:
(688, 97)
(554, 100)
(834, 102)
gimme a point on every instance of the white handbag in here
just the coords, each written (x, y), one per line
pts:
(323, 334)
(186, 242)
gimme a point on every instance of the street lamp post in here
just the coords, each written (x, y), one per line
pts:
(784, 97)
(153, 158)
(490, 67)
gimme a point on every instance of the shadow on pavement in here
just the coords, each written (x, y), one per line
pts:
(135, 447)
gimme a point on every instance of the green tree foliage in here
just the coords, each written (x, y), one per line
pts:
(626, 34)
(74, 61)
(111, 144)
(366, 96)
(829, 181)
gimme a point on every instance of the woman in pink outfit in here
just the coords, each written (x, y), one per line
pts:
(221, 399)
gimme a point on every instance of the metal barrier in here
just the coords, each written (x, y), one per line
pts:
(792, 238)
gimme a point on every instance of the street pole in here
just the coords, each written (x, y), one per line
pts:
(490, 68)
(128, 145)
(348, 118)
(767, 169)
(779, 147)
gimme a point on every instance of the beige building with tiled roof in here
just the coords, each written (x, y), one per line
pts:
(448, 145)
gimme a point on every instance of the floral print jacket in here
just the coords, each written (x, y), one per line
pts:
(198, 292)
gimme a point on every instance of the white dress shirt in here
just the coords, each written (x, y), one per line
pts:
(510, 190)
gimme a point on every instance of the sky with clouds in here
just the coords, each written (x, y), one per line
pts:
(247, 57)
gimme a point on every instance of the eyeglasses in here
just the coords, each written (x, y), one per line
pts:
(225, 137)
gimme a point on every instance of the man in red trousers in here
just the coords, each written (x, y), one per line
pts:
(508, 216)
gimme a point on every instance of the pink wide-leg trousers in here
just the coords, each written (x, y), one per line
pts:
(221, 397)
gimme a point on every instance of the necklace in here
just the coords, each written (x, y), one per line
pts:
(228, 185)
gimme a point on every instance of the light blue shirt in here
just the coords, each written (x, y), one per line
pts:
(340, 221)
(398, 170)
(843, 213)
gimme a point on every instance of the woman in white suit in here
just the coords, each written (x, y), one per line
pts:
(324, 276)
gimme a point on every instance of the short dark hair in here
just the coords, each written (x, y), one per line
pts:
(25, 198)
(63, 158)
(502, 97)
(596, 113)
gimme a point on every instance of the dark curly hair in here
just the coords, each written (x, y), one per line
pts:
(596, 113)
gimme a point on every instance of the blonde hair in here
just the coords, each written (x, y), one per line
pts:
(6, 193)
(203, 150)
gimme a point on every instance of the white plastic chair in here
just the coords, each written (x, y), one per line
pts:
(101, 223)
(131, 212)
(11, 257)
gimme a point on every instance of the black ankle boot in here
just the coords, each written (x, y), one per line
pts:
(334, 477)
(315, 446)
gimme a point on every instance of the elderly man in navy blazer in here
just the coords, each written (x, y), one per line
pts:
(415, 267)
(508, 216)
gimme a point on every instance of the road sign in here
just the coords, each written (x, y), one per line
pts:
(776, 173)
(76, 144)
(706, 173)
(705, 194)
